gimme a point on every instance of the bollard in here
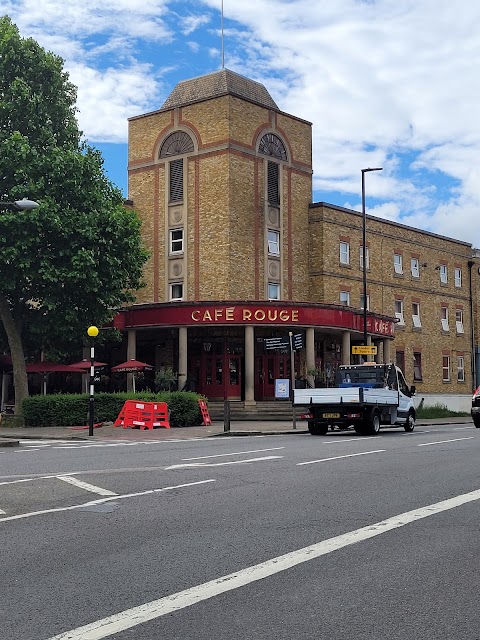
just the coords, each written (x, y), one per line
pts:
(226, 415)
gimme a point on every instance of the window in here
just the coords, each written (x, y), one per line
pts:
(443, 274)
(176, 241)
(176, 181)
(459, 320)
(273, 184)
(417, 366)
(399, 311)
(176, 144)
(415, 268)
(273, 243)
(458, 277)
(345, 298)
(400, 359)
(271, 145)
(460, 369)
(176, 291)
(446, 368)
(444, 317)
(367, 254)
(344, 253)
(273, 291)
(398, 263)
(416, 315)
(362, 306)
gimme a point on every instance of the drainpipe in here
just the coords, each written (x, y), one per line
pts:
(471, 263)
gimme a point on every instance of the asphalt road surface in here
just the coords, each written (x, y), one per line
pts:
(262, 537)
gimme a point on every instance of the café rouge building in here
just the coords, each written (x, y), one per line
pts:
(221, 179)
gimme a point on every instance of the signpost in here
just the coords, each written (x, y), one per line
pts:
(364, 350)
(277, 343)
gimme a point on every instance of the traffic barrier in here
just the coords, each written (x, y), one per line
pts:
(204, 411)
(143, 415)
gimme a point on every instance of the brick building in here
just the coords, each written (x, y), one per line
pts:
(222, 180)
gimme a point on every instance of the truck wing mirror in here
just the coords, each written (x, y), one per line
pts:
(413, 390)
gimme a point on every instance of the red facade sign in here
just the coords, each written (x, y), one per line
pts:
(244, 313)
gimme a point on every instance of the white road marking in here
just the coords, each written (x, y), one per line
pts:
(351, 439)
(85, 485)
(220, 464)
(350, 455)
(237, 453)
(17, 481)
(135, 616)
(428, 444)
(22, 516)
(460, 428)
(26, 450)
(2, 512)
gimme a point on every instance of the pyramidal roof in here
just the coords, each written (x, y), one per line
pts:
(214, 85)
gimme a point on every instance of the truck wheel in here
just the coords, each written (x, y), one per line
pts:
(317, 429)
(374, 423)
(360, 429)
(410, 422)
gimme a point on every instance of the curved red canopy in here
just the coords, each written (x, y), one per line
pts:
(132, 366)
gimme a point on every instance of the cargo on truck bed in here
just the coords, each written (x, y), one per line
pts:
(367, 396)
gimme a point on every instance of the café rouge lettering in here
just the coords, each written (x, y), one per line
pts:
(241, 314)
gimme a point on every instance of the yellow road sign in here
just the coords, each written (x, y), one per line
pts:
(364, 350)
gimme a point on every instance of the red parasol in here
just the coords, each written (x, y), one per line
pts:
(84, 365)
(132, 366)
(49, 367)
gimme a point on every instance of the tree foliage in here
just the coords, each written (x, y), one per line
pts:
(76, 259)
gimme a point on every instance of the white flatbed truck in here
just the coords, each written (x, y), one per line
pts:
(366, 396)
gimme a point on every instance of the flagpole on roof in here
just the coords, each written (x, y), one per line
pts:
(223, 43)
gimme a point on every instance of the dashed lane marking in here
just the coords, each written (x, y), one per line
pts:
(219, 464)
(350, 455)
(85, 485)
(428, 444)
(236, 453)
(31, 514)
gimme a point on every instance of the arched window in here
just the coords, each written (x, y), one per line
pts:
(271, 145)
(176, 144)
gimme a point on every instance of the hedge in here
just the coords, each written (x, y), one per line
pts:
(68, 410)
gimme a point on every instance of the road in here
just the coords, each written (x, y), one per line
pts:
(259, 537)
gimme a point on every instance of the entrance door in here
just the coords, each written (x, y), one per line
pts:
(221, 377)
(267, 369)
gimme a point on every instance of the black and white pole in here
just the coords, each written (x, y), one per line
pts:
(93, 333)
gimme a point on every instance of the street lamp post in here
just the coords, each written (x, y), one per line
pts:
(20, 205)
(364, 171)
(93, 333)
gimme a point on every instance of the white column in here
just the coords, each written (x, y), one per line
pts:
(249, 365)
(369, 342)
(346, 347)
(131, 354)
(310, 353)
(182, 356)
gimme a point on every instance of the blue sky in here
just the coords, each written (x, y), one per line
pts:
(385, 83)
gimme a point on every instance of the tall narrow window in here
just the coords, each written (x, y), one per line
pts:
(444, 317)
(458, 277)
(399, 311)
(367, 256)
(443, 274)
(398, 263)
(362, 304)
(273, 184)
(273, 243)
(460, 369)
(416, 315)
(415, 268)
(459, 320)
(176, 181)
(344, 253)
(400, 360)
(446, 368)
(417, 366)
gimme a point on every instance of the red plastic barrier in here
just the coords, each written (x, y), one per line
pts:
(143, 415)
(204, 411)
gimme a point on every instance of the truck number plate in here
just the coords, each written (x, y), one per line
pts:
(331, 415)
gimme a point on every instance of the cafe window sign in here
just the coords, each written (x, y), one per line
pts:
(212, 315)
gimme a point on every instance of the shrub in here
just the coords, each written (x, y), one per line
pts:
(67, 410)
(438, 411)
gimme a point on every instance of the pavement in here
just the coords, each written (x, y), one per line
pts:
(217, 429)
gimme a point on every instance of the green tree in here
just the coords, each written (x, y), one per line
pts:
(77, 258)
